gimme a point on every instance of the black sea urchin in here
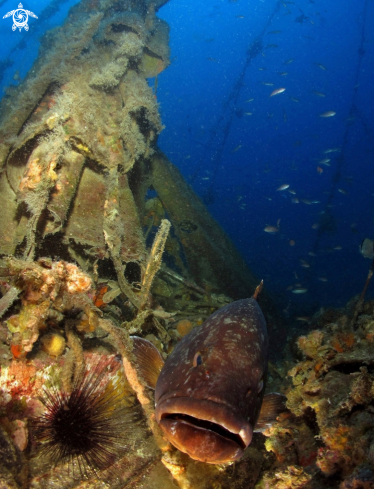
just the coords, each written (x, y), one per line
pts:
(87, 427)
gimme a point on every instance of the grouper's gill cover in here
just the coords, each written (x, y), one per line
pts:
(209, 393)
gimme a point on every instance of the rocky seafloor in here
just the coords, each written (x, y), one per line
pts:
(59, 327)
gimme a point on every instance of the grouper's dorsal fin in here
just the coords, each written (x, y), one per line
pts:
(149, 361)
(272, 406)
(258, 290)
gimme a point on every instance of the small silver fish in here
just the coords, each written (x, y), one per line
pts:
(271, 229)
(325, 161)
(329, 113)
(236, 148)
(300, 290)
(277, 91)
(283, 187)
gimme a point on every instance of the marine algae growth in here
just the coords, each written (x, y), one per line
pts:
(88, 258)
(101, 240)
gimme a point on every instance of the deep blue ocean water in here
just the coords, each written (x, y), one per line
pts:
(236, 144)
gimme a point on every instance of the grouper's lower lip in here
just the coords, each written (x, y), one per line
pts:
(207, 431)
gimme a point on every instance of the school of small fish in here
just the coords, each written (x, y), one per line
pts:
(274, 93)
(323, 163)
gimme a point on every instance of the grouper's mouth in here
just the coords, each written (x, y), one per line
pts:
(206, 430)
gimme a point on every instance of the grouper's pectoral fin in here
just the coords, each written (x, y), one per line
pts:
(272, 406)
(149, 361)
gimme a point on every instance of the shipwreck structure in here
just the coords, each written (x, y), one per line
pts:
(101, 237)
(78, 154)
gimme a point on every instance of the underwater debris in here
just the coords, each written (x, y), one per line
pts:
(49, 289)
(74, 125)
(154, 260)
(88, 427)
(79, 152)
(71, 315)
(211, 258)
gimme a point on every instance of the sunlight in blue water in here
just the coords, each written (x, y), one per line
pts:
(236, 144)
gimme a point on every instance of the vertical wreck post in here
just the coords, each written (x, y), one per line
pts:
(78, 159)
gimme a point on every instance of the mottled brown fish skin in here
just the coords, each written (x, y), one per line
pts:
(209, 393)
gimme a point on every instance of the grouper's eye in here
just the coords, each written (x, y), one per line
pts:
(260, 386)
(197, 359)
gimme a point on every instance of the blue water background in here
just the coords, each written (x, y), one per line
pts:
(236, 161)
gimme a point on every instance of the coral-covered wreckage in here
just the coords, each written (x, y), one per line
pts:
(101, 238)
(327, 438)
